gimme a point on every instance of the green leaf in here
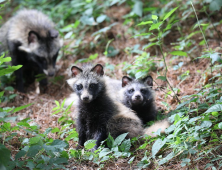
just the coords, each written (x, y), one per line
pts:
(154, 17)
(104, 152)
(57, 103)
(162, 78)
(149, 45)
(101, 18)
(20, 154)
(119, 139)
(138, 8)
(35, 140)
(157, 146)
(155, 26)
(215, 5)
(93, 56)
(4, 158)
(206, 124)
(55, 130)
(169, 13)
(166, 159)
(179, 53)
(125, 146)
(131, 160)
(21, 107)
(10, 69)
(33, 150)
(145, 23)
(220, 125)
(90, 144)
(215, 108)
(110, 141)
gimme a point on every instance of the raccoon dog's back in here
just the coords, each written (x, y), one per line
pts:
(98, 113)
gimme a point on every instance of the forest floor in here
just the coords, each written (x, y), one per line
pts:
(41, 110)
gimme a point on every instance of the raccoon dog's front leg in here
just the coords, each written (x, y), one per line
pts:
(17, 58)
(100, 136)
(82, 133)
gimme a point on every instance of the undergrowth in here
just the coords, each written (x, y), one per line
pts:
(195, 134)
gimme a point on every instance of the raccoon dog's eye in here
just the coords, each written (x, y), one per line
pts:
(143, 91)
(92, 86)
(131, 91)
(79, 87)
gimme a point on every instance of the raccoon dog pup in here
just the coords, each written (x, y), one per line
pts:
(33, 42)
(138, 96)
(98, 113)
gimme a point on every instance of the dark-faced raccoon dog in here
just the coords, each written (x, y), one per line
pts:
(32, 41)
(98, 113)
(138, 96)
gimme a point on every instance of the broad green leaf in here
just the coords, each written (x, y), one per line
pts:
(179, 53)
(125, 146)
(131, 160)
(35, 140)
(57, 103)
(10, 69)
(4, 158)
(119, 139)
(155, 26)
(162, 78)
(110, 141)
(169, 13)
(145, 23)
(166, 159)
(206, 124)
(154, 17)
(215, 5)
(21, 107)
(104, 152)
(55, 130)
(157, 146)
(90, 144)
(220, 125)
(101, 18)
(215, 108)
(149, 45)
(93, 56)
(138, 8)
(33, 150)
(20, 154)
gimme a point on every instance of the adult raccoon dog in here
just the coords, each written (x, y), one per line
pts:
(33, 42)
(98, 113)
(138, 96)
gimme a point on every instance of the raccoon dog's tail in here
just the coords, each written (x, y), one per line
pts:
(163, 124)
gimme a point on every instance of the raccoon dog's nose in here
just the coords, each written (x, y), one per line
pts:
(138, 97)
(85, 98)
(51, 74)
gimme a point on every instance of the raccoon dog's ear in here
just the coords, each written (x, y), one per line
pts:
(75, 71)
(33, 37)
(98, 69)
(53, 33)
(148, 80)
(126, 80)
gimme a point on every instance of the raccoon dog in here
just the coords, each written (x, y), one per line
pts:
(138, 96)
(33, 42)
(98, 113)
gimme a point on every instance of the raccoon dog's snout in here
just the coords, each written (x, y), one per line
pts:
(137, 98)
(86, 97)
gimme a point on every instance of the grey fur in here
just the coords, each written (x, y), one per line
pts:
(30, 37)
(138, 96)
(98, 114)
